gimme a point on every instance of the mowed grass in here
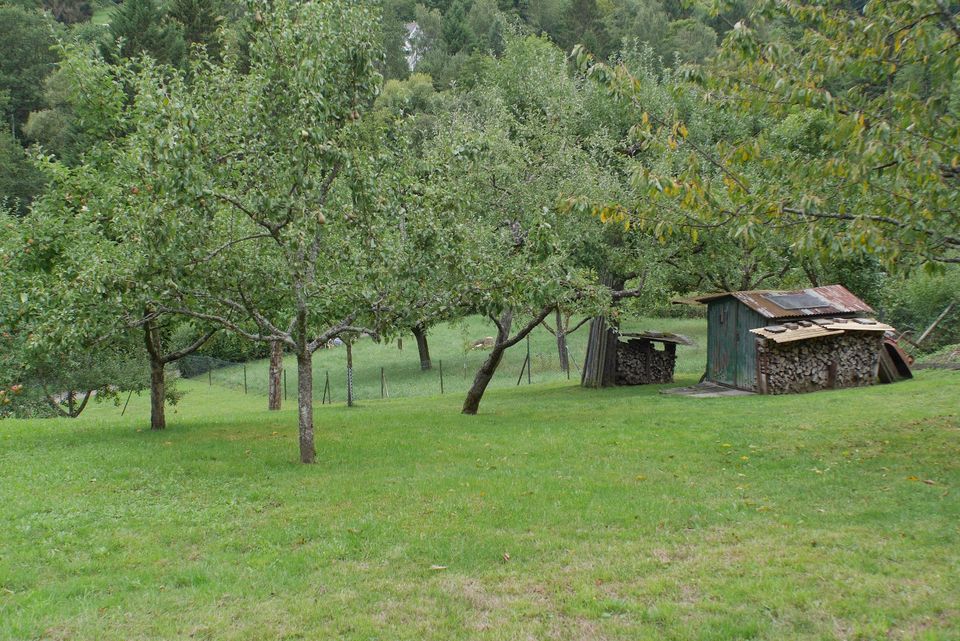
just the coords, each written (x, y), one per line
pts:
(557, 513)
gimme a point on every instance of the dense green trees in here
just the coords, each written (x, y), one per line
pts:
(28, 57)
(450, 34)
(139, 27)
(20, 181)
(851, 145)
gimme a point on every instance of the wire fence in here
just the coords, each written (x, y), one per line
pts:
(377, 374)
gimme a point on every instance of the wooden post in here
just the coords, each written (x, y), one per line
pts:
(210, 376)
(284, 384)
(529, 362)
(441, 377)
(570, 359)
(400, 344)
(934, 324)
(383, 385)
(349, 374)
(125, 404)
(523, 368)
(599, 368)
(244, 378)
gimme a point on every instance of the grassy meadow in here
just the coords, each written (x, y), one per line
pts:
(557, 513)
(450, 343)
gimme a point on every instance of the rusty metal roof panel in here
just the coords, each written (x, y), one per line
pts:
(801, 334)
(804, 329)
(813, 301)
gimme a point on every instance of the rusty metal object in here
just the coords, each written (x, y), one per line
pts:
(835, 299)
(803, 330)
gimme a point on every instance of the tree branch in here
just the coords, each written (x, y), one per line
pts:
(227, 245)
(342, 326)
(529, 327)
(233, 327)
(950, 240)
(496, 321)
(190, 349)
(578, 325)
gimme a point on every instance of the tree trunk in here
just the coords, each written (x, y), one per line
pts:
(158, 419)
(422, 347)
(158, 392)
(275, 387)
(305, 405)
(562, 343)
(350, 373)
(484, 375)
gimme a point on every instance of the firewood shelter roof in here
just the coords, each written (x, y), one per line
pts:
(805, 330)
(659, 337)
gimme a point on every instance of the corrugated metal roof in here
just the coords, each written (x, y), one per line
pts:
(836, 299)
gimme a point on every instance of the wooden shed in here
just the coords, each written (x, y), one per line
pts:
(643, 358)
(777, 342)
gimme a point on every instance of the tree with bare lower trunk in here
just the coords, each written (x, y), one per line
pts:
(159, 359)
(504, 340)
(259, 179)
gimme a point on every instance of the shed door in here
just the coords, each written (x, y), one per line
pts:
(722, 318)
(746, 355)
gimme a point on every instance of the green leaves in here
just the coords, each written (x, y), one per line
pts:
(850, 126)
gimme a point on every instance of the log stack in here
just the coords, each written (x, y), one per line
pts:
(844, 360)
(640, 363)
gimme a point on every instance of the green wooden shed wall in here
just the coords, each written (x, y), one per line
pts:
(731, 348)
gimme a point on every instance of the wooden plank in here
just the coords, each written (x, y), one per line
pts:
(747, 319)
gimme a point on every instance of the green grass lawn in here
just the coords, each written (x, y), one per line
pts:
(557, 513)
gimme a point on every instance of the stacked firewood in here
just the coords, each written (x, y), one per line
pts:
(640, 363)
(844, 360)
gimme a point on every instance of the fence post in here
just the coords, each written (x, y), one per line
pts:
(284, 384)
(125, 404)
(441, 377)
(244, 378)
(349, 374)
(522, 368)
(570, 359)
(209, 376)
(529, 362)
